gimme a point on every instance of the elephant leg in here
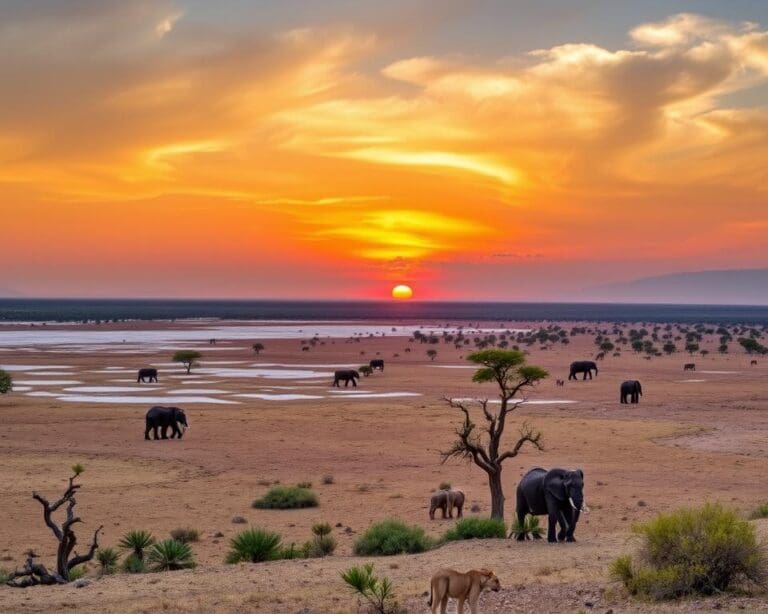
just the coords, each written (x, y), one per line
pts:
(563, 522)
(572, 527)
(155, 433)
(146, 430)
(460, 511)
(522, 512)
(552, 513)
(164, 431)
(354, 382)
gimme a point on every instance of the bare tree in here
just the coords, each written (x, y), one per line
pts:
(483, 446)
(37, 574)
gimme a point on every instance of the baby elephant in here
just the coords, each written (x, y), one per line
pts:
(446, 500)
(460, 586)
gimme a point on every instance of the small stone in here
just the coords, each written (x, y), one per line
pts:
(238, 520)
(81, 583)
(218, 534)
(641, 503)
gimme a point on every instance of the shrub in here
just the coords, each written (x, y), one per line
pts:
(170, 555)
(377, 592)
(530, 529)
(327, 479)
(286, 498)
(291, 552)
(476, 528)
(254, 546)
(444, 486)
(137, 542)
(692, 551)
(133, 564)
(761, 511)
(185, 535)
(76, 573)
(365, 370)
(107, 558)
(6, 382)
(391, 537)
(5, 575)
(306, 485)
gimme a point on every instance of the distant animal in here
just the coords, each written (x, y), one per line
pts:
(346, 376)
(446, 500)
(146, 374)
(467, 586)
(599, 355)
(582, 366)
(631, 389)
(305, 348)
(560, 382)
(163, 417)
(689, 366)
(377, 363)
(753, 363)
(558, 493)
(212, 341)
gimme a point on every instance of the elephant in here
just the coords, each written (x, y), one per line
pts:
(632, 389)
(583, 366)
(446, 500)
(346, 376)
(559, 493)
(163, 417)
(689, 366)
(377, 363)
(146, 374)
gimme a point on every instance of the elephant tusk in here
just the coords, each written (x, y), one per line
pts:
(573, 505)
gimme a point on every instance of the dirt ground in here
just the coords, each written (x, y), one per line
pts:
(694, 437)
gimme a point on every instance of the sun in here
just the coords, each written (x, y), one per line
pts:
(402, 291)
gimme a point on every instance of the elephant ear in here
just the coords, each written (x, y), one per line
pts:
(580, 473)
(556, 488)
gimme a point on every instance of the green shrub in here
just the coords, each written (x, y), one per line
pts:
(5, 575)
(444, 486)
(321, 528)
(291, 552)
(107, 558)
(133, 564)
(186, 535)
(703, 550)
(6, 382)
(306, 485)
(377, 592)
(170, 555)
(476, 528)
(137, 542)
(286, 498)
(761, 511)
(320, 546)
(76, 573)
(530, 529)
(391, 537)
(254, 546)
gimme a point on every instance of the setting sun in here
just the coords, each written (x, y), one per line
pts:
(402, 292)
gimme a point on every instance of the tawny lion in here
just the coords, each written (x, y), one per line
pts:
(461, 586)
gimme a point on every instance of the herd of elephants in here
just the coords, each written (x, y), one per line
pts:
(557, 493)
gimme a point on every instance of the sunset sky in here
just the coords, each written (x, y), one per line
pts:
(496, 149)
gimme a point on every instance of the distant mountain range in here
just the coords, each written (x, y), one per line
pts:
(726, 287)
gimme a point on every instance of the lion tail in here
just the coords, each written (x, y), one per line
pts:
(429, 603)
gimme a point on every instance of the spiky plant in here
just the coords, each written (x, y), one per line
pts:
(170, 555)
(107, 558)
(529, 529)
(378, 592)
(137, 542)
(254, 546)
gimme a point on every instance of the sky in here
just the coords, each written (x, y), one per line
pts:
(483, 149)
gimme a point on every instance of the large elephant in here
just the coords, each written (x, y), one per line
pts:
(146, 374)
(583, 366)
(558, 493)
(164, 417)
(346, 376)
(632, 389)
(446, 500)
(377, 363)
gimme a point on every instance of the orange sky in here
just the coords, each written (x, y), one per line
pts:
(154, 150)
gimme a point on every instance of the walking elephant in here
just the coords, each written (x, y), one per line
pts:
(583, 366)
(163, 417)
(558, 493)
(346, 376)
(446, 500)
(377, 363)
(631, 389)
(146, 374)
(689, 366)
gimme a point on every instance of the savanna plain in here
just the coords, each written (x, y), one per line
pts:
(370, 453)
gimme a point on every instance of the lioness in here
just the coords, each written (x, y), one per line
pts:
(462, 586)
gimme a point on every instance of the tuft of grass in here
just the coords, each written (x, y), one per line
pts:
(77, 572)
(328, 479)
(390, 537)
(170, 555)
(107, 558)
(5, 575)
(286, 498)
(692, 551)
(254, 546)
(137, 542)
(530, 529)
(444, 486)
(378, 592)
(133, 564)
(476, 528)
(761, 511)
(186, 535)
(306, 485)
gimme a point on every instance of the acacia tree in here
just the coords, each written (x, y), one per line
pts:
(258, 347)
(507, 369)
(6, 382)
(187, 357)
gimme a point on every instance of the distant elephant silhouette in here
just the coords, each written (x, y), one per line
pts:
(582, 366)
(631, 389)
(346, 376)
(146, 374)
(377, 363)
(689, 366)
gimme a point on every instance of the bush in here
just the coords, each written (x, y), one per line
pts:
(291, 552)
(444, 486)
(327, 479)
(76, 573)
(391, 537)
(133, 564)
(286, 498)
(377, 592)
(476, 528)
(170, 555)
(530, 529)
(254, 546)
(761, 511)
(107, 558)
(6, 382)
(137, 542)
(305, 485)
(5, 575)
(185, 535)
(703, 550)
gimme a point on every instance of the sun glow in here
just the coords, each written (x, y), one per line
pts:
(402, 291)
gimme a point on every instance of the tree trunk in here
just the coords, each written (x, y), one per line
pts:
(497, 494)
